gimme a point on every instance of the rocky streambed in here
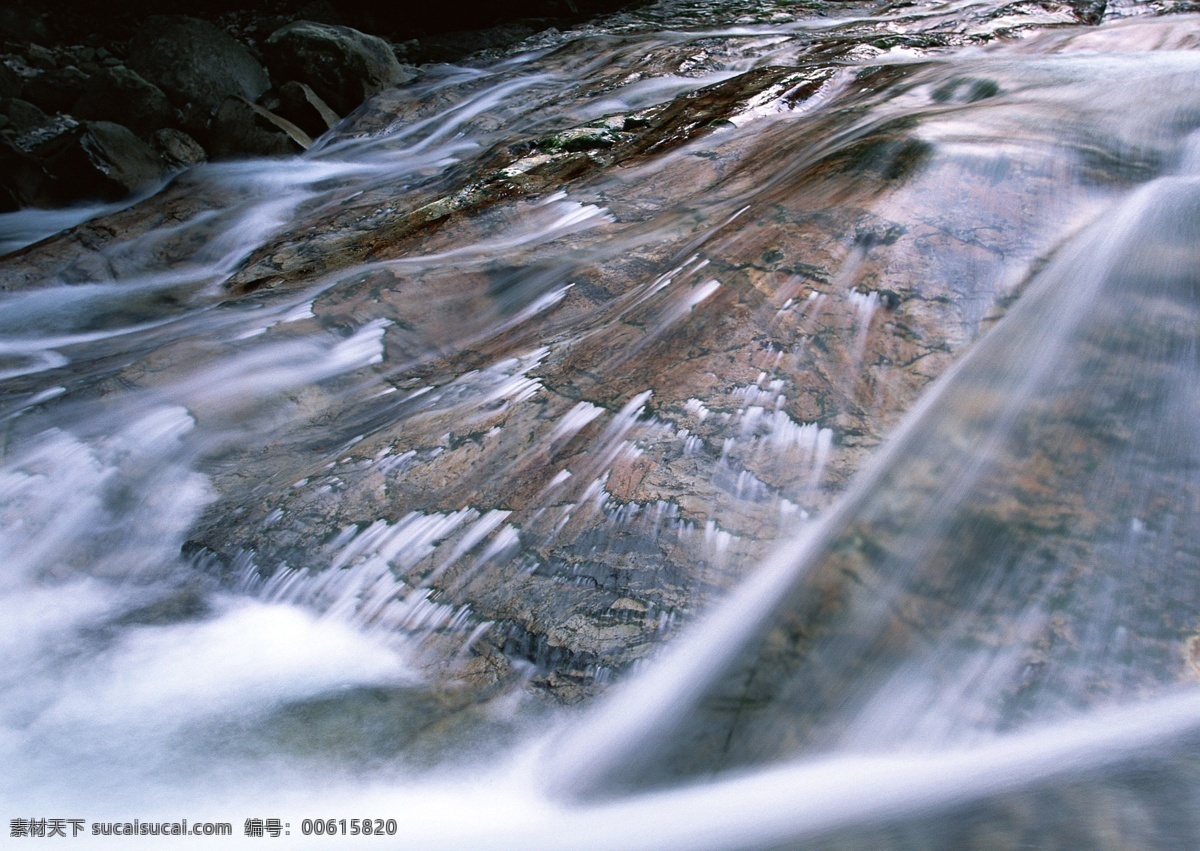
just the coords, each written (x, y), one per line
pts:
(525, 365)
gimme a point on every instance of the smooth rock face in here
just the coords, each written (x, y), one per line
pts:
(196, 65)
(342, 65)
(124, 97)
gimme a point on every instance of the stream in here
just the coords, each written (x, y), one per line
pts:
(719, 426)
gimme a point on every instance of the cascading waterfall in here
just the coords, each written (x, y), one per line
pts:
(712, 428)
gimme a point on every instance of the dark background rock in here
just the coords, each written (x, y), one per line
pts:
(29, 142)
(55, 90)
(60, 160)
(342, 65)
(196, 64)
(302, 106)
(108, 161)
(22, 115)
(75, 22)
(242, 128)
(26, 23)
(38, 135)
(20, 178)
(142, 68)
(123, 96)
(40, 57)
(451, 46)
(10, 82)
(177, 149)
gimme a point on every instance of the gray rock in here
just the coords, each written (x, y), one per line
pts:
(40, 57)
(20, 25)
(242, 128)
(108, 162)
(22, 115)
(342, 65)
(303, 107)
(177, 149)
(61, 160)
(55, 90)
(38, 135)
(196, 64)
(123, 96)
(20, 177)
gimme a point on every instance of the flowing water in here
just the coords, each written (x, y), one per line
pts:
(718, 427)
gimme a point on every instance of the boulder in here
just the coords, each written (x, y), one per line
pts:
(22, 25)
(40, 57)
(10, 82)
(20, 177)
(303, 107)
(124, 97)
(62, 160)
(108, 161)
(342, 65)
(55, 90)
(37, 135)
(196, 64)
(22, 115)
(242, 128)
(177, 149)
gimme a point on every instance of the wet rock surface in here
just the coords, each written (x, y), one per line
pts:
(1052, 492)
(851, 268)
(782, 257)
(527, 365)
